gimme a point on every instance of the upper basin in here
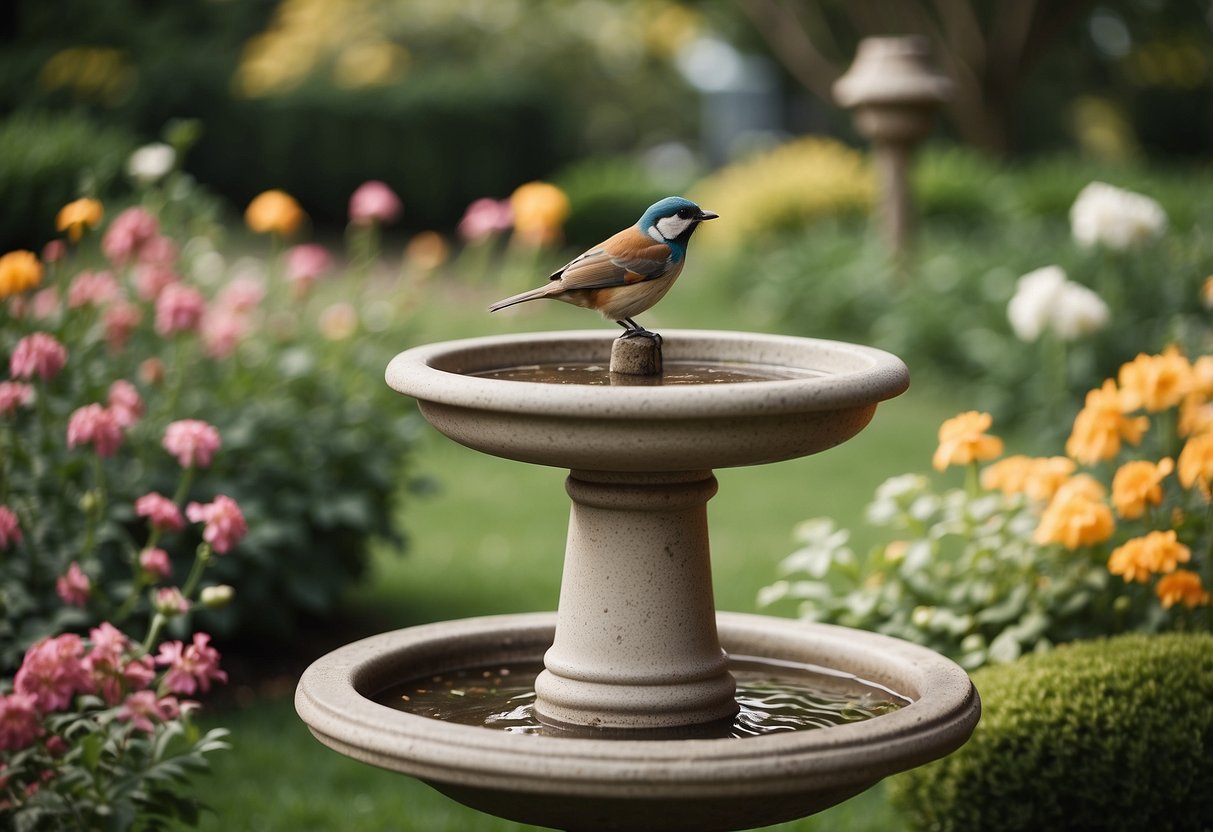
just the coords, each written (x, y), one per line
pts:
(827, 392)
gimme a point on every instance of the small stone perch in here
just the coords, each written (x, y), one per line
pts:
(639, 355)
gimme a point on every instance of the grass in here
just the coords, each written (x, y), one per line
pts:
(489, 538)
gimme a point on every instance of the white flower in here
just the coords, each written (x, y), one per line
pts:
(1106, 215)
(1045, 300)
(151, 163)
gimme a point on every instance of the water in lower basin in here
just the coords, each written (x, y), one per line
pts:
(675, 372)
(773, 697)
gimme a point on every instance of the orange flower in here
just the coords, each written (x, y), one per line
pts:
(963, 439)
(1183, 587)
(77, 216)
(1007, 475)
(1138, 484)
(1101, 425)
(1038, 478)
(1195, 415)
(19, 270)
(1076, 516)
(1156, 553)
(540, 210)
(274, 212)
(1156, 382)
(1196, 462)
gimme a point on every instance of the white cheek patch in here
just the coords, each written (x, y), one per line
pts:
(656, 235)
(671, 227)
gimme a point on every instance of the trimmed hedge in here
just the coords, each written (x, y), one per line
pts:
(1115, 734)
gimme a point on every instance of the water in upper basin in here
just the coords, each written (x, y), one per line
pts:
(773, 697)
(675, 372)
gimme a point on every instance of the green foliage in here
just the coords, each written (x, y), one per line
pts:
(47, 160)
(606, 195)
(1110, 735)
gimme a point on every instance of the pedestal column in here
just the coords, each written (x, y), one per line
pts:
(636, 644)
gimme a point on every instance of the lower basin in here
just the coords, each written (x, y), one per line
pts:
(590, 783)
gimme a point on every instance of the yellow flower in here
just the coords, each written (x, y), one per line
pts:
(1101, 425)
(1076, 516)
(540, 210)
(427, 250)
(1183, 587)
(19, 270)
(1138, 484)
(963, 439)
(1156, 553)
(1196, 462)
(1156, 382)
(1038, 478)
(274, 212)
(77, 216)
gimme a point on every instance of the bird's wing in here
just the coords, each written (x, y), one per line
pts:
(613, 264)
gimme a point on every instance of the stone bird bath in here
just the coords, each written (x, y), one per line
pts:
(637, 679)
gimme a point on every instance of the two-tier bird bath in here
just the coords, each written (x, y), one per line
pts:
(634, 722)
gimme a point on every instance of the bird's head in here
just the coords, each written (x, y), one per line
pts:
(673, 218)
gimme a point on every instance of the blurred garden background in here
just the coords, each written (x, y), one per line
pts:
(220, 219)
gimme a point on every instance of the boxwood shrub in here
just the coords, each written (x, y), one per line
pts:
(1109, 734)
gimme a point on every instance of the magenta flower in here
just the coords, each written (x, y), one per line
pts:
(191, 668)
(37, 354)
(53, 672)
(160, 511)
(10, 528)
(225, 525)
(92, 289)
(374, 202)
(121, 319)
(179, 309)
(156, 563)
(14, 394)
(125, 403)
(484, 218)
(128, 234)
(20, 723)
(73, 588)
(192, 441)
(97, 426)
(306, 263)
(143, 710)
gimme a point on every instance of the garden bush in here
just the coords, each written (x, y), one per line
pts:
(1114, 734)
(46, 159)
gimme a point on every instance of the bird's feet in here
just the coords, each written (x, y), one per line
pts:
(631, 329)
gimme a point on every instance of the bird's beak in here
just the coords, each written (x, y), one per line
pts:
(707, 215)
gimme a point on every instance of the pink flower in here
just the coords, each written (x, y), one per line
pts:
(152, 279)
(242, 294)
(225, 526)
(170, 602)
(159, 251)
(10, 528)
(125, 403)
(486, 217)
(120, 318)
(111, 671)
(191, 668)
(92, 289)
(127, 235)
(179, 309)
(14, 394)
(45, 303)
(306, 263)
(222, 331)
(37, 354)
(20, 724)
(374, 201)
(143, 710)
(192, 441)
(54, 251)
(156, 563)
(97, 426)
(73, 588)
(53, 672)
(160, 511)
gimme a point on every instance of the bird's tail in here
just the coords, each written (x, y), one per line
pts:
(533, 294)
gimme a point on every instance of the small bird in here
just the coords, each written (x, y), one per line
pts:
(629, 272)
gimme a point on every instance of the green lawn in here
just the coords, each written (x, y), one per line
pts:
(489, 538)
